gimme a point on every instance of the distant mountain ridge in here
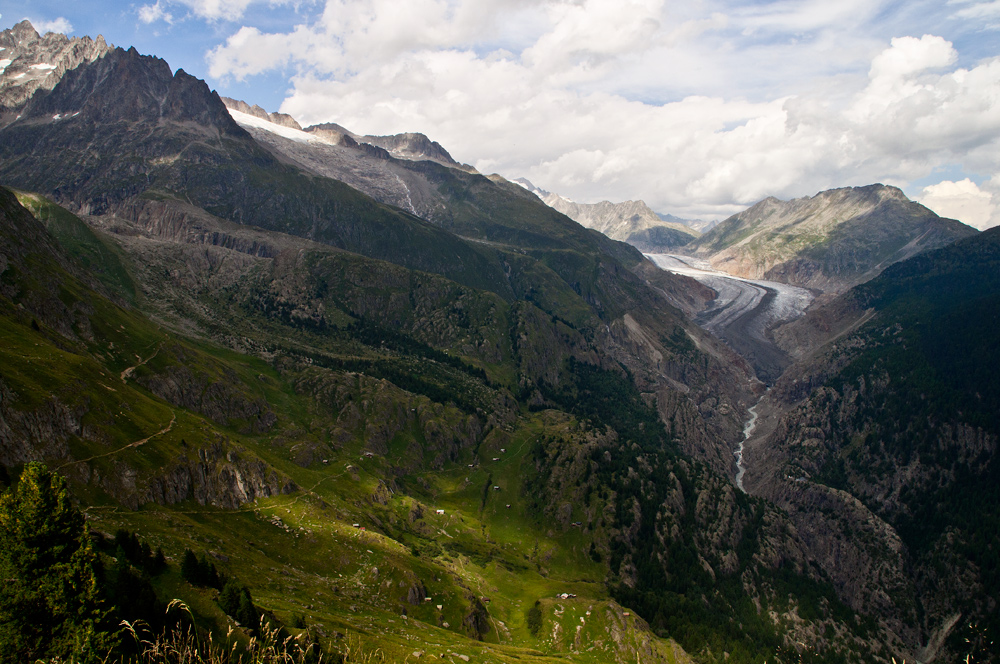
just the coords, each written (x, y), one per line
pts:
(411, 146)
(282, 119)
(700, 225)
(629, 221)
(831, 241)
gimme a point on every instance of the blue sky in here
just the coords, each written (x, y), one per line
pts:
(700, 107)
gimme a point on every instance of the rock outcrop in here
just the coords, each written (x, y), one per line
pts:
(281, 119)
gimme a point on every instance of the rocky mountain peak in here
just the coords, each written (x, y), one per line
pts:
(413, 147)
(24, 32)
(830, 241)
(30, 62)
(142, 89)
(633, 222)
(526, 183)
(282, 119)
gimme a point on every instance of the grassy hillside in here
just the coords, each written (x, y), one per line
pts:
(356, 392)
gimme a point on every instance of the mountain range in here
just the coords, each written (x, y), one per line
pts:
(829, 242)
(629, 221)
(418, 412)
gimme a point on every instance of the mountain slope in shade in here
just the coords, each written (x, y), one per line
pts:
(629, 221)
(830, 242)
(308, 359)
(892, 431)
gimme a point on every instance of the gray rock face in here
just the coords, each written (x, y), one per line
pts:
(220, 476)
(409, 146)
(29, 62)
(829, 242)
(36, 434)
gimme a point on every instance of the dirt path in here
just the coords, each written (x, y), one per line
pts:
(128, 372)
(133, 444)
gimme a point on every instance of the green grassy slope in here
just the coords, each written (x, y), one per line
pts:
(350, 411)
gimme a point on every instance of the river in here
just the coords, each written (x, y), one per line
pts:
(748, 430)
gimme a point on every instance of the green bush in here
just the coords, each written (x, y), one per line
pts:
(535, 618)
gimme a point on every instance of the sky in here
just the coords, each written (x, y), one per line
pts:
(698, 107)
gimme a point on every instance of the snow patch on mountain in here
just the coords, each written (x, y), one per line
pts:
(247, 120)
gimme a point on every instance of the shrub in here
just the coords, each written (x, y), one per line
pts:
(535, 618)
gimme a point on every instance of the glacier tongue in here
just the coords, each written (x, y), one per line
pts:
(744, 310)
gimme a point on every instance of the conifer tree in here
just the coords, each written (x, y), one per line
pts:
(49, 599)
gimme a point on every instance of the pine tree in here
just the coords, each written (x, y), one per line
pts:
(49, 600)
(229, 598)
(190, 570)
(246, 614)
(159, 562)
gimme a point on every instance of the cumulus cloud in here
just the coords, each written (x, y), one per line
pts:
(60, 24)
(559, 91)
(962, 200)
(153, 13)
(910, 55)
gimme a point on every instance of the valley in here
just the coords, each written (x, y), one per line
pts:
(417, 414)
(744, 311)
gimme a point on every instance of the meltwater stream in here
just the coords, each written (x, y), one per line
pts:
(748, 428)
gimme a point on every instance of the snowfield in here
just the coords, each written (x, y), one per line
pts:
(246, 120)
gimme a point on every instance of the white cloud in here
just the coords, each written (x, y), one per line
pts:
(214, 10)
(565, 92)
(977, 10)
(208, 10)
(585, 35)
(153, 13)
(60, 24)
(909, 55)
(962, 200)
(801, 17)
